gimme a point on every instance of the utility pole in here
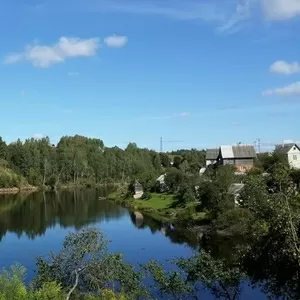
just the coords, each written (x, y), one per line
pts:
(164, 141)
(258, 143)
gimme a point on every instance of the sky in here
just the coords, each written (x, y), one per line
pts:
(198, 73)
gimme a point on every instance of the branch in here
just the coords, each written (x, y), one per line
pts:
(74, 286)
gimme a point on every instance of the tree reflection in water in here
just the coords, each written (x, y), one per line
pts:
(32, 214)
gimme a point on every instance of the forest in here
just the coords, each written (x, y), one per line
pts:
(80, 160)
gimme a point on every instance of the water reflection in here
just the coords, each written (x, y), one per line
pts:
(32, 214)
(175, 234)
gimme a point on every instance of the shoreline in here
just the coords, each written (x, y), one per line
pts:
(15, 190)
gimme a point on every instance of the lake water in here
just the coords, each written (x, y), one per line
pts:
(34, 224)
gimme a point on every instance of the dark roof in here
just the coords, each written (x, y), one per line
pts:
(212, 154)
(244, 151)
(285, 148)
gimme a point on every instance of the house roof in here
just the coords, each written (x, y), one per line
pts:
(238, 151)
(285, 148)
(235, 188)
(226, 151)
(212, 154)
(161, 178)
(244, 151)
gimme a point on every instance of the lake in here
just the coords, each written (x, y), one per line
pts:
(33, 224)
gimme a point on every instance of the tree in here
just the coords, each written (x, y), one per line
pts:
(3, 149)
(84, 266)
(177, 161)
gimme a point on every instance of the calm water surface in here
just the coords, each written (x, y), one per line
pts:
(32, 225)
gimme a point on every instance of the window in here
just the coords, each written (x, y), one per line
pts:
(294, 157)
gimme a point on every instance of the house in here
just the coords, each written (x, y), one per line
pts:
(235, 190)
(212, 156)
(161, 183)
(138, 190)
(292, 152)
(241, 156)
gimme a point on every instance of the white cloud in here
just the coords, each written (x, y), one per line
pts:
(44, 56)
(286, 91)
(242, 13)
(38, 136)
(283, 67)
(116, 41)
(281, 9)
(13, 58)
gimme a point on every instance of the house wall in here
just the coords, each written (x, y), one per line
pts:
(241, 165)
(228, 161)
(244, 164)
(294, 158)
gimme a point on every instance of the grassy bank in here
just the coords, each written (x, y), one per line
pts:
(164, 207)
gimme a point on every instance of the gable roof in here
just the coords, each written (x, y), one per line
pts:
(238, 151)
(285, 148)
(212, 154)
(244, 151)
(226, 151)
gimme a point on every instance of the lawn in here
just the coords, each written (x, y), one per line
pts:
(157, 201)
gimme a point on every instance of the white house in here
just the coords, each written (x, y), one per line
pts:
(292, 151)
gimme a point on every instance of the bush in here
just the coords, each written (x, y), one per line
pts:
(146, 196)
(236, 220)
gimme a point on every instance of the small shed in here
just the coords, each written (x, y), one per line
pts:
(138, 190)
(161, 183)
(212, 156)
(235, 190)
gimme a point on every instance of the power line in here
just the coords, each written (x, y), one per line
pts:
(163, 141)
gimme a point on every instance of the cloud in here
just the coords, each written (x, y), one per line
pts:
(38, 136)
(242, 13)
(279, 10)
(116, 41)
(13, 58)
(286, 91)
(283, 67)
(43, 56)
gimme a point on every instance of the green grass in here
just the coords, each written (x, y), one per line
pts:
(157, 201)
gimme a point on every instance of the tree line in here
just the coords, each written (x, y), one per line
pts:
(86, 161)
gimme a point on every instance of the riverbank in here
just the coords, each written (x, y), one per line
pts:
(15, 190)
(163, 207)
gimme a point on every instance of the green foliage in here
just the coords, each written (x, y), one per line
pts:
(221, 279)
(9, 179)
(81, 161)
(84, 265)
(174, 178)
(12, 287)
(11, 284)
(168, 283)
(236, 221)
(192, 159)
(146, 196)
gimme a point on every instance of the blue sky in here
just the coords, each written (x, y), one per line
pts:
(198, 73)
